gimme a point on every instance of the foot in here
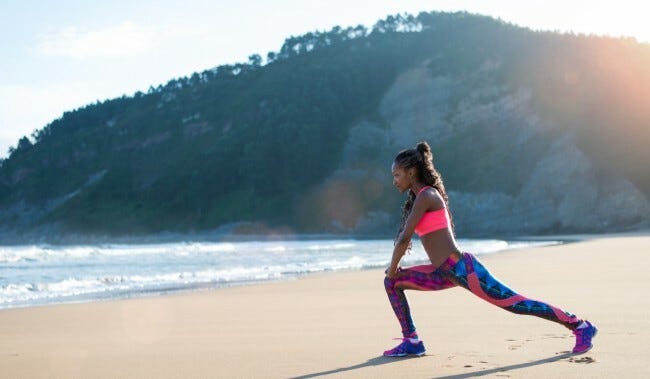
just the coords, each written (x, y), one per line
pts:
(583, 338)
(406, 348)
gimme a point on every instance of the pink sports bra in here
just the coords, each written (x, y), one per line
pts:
(432, 220)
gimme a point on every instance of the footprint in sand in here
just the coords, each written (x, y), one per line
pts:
(513, 347)
(582, 360)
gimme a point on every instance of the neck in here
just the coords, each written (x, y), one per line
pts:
(416, 187)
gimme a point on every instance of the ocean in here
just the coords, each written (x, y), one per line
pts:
(33, 275)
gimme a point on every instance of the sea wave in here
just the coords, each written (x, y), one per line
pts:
(39, 274)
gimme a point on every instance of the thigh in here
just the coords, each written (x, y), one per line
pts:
(472, 275)
(423, 278)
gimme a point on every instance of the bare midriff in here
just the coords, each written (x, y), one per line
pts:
(439, 245)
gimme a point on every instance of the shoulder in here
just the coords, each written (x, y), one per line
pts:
(432, 197)
(428, 192)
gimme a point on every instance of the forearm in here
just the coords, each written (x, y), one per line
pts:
(398, 253)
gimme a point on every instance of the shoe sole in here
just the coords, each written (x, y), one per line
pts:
(404, 355)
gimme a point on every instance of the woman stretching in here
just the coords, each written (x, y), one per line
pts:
(426, 213)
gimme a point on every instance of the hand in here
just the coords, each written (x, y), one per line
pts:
(392, 274)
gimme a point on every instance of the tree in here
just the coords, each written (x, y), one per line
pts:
(23, 145)
(255, 60)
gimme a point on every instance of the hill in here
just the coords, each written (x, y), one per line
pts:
(534, 132)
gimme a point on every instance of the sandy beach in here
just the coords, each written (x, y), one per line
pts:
(338, 324)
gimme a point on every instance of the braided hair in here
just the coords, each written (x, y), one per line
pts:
(422, 159)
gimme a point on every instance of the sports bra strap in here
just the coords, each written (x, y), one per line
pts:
(423, 188)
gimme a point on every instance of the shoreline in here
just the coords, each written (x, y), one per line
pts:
(337, 324)
(163, 289)
(218, 235)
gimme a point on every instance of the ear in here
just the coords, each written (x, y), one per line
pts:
(412, 171)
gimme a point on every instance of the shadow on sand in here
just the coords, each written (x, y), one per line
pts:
(377, 361)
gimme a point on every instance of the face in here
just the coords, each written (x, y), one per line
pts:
(401, 178)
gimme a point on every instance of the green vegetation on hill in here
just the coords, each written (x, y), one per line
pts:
(245, 142)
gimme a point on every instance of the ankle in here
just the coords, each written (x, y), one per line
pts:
(581, 324)
(412, 337)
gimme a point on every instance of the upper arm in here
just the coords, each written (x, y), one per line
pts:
(420, 206)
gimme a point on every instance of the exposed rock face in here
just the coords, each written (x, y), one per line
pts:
(418, 105)
(543, 182)
(566, 191)
(479, 213)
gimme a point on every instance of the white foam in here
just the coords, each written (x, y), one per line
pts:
(36, 274)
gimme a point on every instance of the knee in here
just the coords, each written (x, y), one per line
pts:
(389, 283)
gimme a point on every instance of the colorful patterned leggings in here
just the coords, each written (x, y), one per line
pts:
(470, 274)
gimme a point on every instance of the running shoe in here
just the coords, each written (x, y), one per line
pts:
(406, 348)
(583, 338)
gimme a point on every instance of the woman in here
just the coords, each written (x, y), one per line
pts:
(426, 213)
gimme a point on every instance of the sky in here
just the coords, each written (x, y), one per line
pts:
(59, 55)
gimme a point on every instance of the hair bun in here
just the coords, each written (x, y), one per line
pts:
(424, 149)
